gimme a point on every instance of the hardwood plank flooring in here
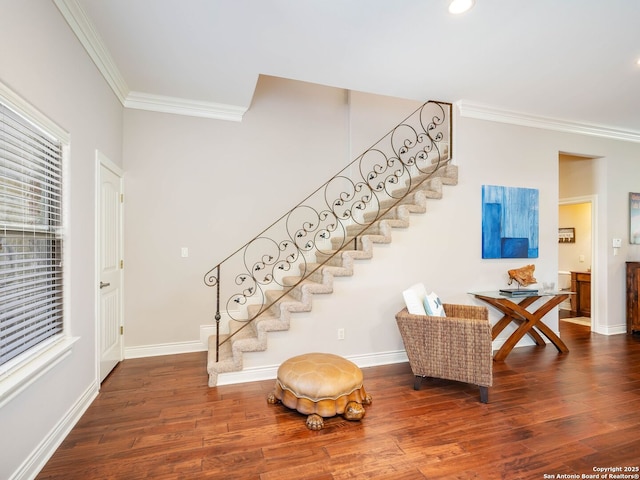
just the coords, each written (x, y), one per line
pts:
(549, 414)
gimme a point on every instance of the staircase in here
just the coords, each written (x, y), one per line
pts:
(325, 234)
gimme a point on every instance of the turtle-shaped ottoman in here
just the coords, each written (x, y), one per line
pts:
(321, 385)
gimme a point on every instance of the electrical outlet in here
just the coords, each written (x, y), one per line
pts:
(341, 334)
(184, 252)
(617, 242)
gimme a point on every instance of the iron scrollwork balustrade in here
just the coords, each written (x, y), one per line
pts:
(358, 196)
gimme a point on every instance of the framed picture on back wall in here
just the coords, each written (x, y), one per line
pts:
(567, 235)
(509, 222)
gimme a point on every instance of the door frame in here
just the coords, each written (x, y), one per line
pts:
(103, 161)
(595, 271)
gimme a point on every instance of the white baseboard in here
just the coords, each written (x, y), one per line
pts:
(525, 341)
(164, 349)
(173, 348)
(270, 372)
(611, 329)
(47, 447)
(205, 332)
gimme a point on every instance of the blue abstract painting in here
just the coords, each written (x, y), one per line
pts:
(509, 222)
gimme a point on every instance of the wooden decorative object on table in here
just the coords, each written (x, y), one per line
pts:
(523, 276)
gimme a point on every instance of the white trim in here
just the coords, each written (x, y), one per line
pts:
(380, 358)
(88, 36)
(25, 374)
(620, 329)
(103, 161)
(205, 332)
(38, 458)
(210, 329)
(201, 345)
(485, 112)
(35, 116)
(270, 372)
(524, 341)
(173, 348)
(181, 106)
(250, 374)
(90, 39)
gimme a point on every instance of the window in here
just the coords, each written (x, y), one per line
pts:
(31, 236)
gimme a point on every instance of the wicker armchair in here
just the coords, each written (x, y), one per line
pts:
(456, 347)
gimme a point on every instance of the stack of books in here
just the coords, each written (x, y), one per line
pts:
(519, 292)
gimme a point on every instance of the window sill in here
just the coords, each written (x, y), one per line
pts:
(19, 379)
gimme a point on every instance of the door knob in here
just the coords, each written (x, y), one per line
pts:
(102, 284)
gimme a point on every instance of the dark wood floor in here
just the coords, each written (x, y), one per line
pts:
(548, 414)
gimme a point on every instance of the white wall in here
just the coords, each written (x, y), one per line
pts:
(212, 186)
(622, 177)
(576, 176)
(42, 61)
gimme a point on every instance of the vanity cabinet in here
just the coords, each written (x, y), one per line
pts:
(633, 308)
(581, 301)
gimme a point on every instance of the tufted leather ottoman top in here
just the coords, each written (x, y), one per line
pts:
(319, 376)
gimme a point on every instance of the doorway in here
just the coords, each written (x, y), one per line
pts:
(109, 261)
(575, 259)
(577, 219)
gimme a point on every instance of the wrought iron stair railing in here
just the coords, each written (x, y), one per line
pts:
(331, 219)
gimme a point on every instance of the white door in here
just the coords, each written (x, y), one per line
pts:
(110, 339)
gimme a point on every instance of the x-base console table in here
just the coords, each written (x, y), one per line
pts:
(529, 323)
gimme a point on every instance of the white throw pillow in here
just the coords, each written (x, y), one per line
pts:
(414, 299)
(433, 305)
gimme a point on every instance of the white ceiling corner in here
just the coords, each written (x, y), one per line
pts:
(181, 106)
(92, 42)
(82, 26)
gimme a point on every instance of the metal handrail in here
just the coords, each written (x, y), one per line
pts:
(357, 196)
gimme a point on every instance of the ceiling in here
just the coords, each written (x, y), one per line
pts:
(570, 60)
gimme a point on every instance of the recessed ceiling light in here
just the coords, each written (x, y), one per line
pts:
(457, 7)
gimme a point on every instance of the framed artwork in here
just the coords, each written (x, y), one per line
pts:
(509, 222)
(567, 235)
(634, 218)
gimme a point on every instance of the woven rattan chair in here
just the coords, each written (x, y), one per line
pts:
(456, 347)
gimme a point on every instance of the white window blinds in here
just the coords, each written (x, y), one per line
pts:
(30, 236)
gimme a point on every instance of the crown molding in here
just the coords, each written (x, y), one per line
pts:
(181, 106)
(79, 22)
(19, 105)
(90, 39)
(484, 112)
